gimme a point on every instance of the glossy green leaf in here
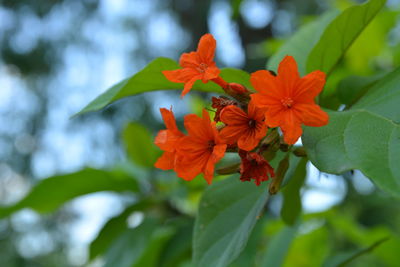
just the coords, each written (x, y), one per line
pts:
(111, 230)
(248, 257)
(367, 137)
(138, 247)
(358, 140)
(51, 193)
(139, 145)
(151, 255)
(352, 88)
(340, 34)
(301, 43)
(228, 212)
(291, 207)
(179, 247)
(345, 258)
(278, 247)
(150, 79)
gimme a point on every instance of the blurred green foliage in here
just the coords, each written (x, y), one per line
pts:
(235, 224)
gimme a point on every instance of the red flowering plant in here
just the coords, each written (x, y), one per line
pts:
(256, 135)
(262, 129)
(249, 119)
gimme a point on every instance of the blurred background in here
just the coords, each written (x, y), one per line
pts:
(56, 56)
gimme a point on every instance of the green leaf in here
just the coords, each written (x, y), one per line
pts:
(151, 254)
(228, 212)
(340, 34)
(367, 137)
(311, 247)
(51, 193)
(138, 247)
(352, 88)
(301, 43)
(139, 145)
(278, 247)
(179, 247)
(383, 98)
(112, 229)
(248, 257)
(150, 79)
(291, 207)
(345, 258)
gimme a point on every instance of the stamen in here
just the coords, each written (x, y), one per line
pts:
(287, 102)
(202, 67)
(211, 145)
(252, 123)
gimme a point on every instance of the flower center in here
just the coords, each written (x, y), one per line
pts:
(211, 145)
(287, 102)
(252, 123)
(202, 67)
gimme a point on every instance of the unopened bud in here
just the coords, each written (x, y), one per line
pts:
(271, 137)
(284, 147)
(238, 88)
(234, 168)
(238, 91)
(275, 185)
(300, 152)
(270, 145)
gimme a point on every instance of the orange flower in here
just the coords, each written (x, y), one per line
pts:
(167, 141)
(255, 167)
(247, 129)
(197, 65)
(200, 150)
(289, 98)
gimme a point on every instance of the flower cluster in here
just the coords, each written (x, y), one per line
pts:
(247, 119)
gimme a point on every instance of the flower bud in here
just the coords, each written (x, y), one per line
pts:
(300, 152)
(275, 185)
(238, 92)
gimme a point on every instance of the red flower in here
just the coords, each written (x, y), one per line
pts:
(220, 103)
(200, 150)
(167, 141)
(247, 129)
(255, 167)
(197, 65)
(289, 98)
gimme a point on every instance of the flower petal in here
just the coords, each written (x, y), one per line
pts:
(180, 75)
(248, 141)
(211, 72)
(199, 128)
(188, 168)
(166, 161)
(264, 101)
(217, 155)
(291, 127)
(231, 134)
(312, 115)
(254, 112)
(233, 115)
(264, 82)
(288, 75)
(189, 60)
(166, 140)
(206, 48)
(169, 119)
(274, 116)
(189, 84)
(309, 87)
